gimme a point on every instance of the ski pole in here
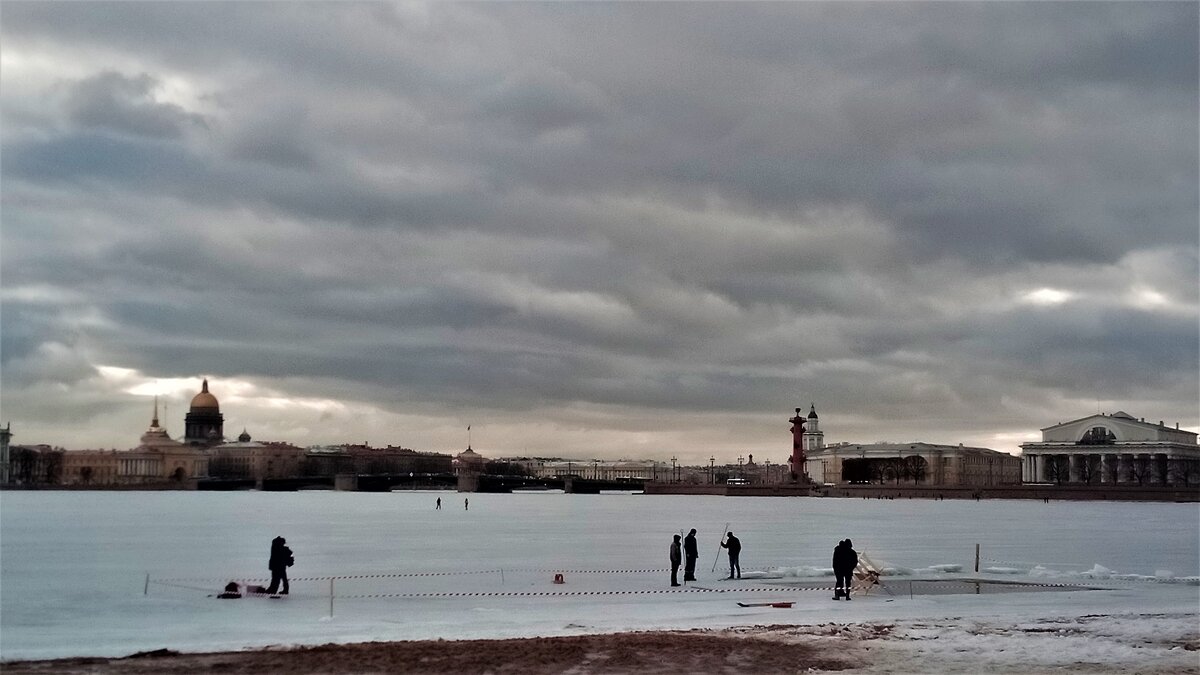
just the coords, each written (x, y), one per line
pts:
(714, 569)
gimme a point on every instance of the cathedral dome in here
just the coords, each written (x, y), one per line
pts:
(205, 400)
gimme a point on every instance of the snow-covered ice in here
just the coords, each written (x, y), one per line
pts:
(73, 567)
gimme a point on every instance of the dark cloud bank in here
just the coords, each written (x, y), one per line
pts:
(601, 229)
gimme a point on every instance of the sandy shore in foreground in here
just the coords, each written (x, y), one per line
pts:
(1149, 644)
(652, 652)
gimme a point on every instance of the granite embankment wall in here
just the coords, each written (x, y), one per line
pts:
(1060, 492)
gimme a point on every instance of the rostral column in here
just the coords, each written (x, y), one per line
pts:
(799, 469)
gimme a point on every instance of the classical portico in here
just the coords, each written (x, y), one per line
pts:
(1116, 449)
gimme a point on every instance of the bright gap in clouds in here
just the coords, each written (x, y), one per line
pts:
(1047, 296)
(231, 390)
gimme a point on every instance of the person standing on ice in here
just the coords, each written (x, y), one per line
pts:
(689, 555)
(439, 504)
(845, 559)
(676, 558)
(281, 559)
(735, 549)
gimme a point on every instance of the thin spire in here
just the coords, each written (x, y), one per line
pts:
(154, 420)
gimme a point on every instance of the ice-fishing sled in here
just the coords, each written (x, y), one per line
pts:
(234, 590)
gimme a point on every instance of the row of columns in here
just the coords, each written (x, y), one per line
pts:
(149, 467)
(1109, 468)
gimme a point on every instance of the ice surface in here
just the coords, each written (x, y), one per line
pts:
(73, 565)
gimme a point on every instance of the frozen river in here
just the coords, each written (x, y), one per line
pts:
(73, 565)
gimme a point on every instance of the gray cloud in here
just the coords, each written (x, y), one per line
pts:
(603, 228)
(111, 101)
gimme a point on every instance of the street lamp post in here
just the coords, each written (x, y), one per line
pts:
(739, 466)
(712, 461)
(674, 471)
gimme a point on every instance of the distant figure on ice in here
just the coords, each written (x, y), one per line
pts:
(690, 555)
(676, 558)
(439, 504)
(466, 503)
(735, 549)
(845, 559)
(281, 559)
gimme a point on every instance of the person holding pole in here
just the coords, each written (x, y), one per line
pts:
(735, 549)
(676, 558)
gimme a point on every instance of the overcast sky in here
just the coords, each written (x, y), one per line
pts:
(598, 229)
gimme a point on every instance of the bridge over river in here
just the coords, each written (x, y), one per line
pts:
(386, 482)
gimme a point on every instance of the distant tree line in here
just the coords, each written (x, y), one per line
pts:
(35, 465)
(913, 468)
(502, 468)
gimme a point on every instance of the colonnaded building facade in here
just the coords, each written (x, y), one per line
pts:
(904, 463)
(1116, 449)
(158, 458)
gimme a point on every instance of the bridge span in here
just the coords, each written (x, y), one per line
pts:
(387, 482)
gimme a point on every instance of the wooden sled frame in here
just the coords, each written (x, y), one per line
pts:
(865, 577)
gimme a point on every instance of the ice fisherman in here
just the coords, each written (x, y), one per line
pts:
(845, 559)
(676, 558)
(281, 559)
(439, 504)
(689, 555)
(735, 549)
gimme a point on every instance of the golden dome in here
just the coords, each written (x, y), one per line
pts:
(205, 400)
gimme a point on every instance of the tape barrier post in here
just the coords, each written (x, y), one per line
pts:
(331, 597)
(146, 588)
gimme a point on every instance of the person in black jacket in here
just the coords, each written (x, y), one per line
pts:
(845, 559)
(689, 556)
(281, 559)
(735, 549)
(675, 560)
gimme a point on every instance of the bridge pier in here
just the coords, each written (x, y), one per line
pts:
(468, 482)
(345, 482)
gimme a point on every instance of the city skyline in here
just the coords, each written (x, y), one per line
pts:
(598, 229)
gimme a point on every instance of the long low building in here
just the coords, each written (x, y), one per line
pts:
(157, 459)
(912, 464)
(1116, 449)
